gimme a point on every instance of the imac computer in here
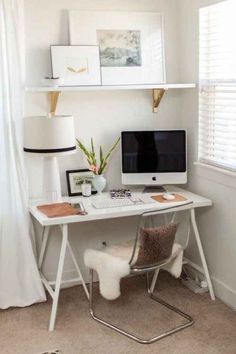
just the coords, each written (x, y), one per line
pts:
(154, 158)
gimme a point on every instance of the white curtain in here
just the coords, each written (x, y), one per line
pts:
(20, 283)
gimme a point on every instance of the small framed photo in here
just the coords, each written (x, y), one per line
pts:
(76, 65)
(74, 180)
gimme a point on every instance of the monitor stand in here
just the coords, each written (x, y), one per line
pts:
(154, 189)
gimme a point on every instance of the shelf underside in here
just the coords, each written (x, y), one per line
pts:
(158, 91)
(107, 88)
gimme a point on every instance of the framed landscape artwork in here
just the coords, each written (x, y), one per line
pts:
(77, 65)
(119, 48)
(74, 180)
(131, 44)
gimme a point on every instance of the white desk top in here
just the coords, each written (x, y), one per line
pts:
(109, 213)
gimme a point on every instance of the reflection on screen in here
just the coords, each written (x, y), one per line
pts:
(154, 151)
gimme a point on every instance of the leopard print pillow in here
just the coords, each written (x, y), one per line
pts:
(155, 245)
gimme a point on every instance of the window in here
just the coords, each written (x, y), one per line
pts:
(217, 93)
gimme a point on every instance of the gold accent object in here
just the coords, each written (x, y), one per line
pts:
(157, 97)
(53, 96)
(76, 71)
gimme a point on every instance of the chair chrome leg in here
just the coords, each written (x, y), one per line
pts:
(132, 336)
(189, 322)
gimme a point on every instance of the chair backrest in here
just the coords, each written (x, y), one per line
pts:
(153, 245)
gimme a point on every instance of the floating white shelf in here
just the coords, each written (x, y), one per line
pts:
(157, 89)
(107, 87)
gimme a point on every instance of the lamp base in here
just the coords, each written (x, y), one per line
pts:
(51, 180)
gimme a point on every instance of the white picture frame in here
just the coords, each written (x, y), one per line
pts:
(99, 27)
(76, 65)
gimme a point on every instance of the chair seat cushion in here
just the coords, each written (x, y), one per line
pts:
(112, 264)
(122, 250)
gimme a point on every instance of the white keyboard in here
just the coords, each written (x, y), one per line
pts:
(112, 203)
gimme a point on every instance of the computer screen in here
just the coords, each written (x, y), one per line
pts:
(154, 153)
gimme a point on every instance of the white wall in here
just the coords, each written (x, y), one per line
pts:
(218, 224)
(101, 114)
(104, 114)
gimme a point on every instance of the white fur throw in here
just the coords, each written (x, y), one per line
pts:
(174, 267)
(110, 270)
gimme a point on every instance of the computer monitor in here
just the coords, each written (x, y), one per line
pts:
(154, 158)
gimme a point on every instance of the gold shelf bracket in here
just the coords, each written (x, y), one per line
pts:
(157, 97)
(54, 95)
(53, 98)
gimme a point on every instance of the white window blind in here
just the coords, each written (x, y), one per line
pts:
(217, 93)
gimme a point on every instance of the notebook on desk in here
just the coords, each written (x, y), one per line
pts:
(60, 209)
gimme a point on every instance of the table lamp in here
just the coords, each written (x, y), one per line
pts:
(50, 138)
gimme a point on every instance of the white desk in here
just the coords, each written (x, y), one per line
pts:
(109, 213)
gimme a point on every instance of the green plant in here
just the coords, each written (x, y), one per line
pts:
(94, 166)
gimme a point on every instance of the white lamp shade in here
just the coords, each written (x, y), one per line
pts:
(49, 136)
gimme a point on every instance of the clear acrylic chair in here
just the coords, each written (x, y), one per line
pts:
(142, 269)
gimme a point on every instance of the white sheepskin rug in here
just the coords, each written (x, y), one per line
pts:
(110, 270)
(113, 264)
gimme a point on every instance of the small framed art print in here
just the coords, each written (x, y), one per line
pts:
(75, 178)
(76, 65)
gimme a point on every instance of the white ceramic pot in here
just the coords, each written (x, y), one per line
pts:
(99, 183)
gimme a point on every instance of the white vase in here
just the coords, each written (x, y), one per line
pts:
(99, 183)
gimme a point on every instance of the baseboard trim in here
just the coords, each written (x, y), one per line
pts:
(222, 290)
(67, 274)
